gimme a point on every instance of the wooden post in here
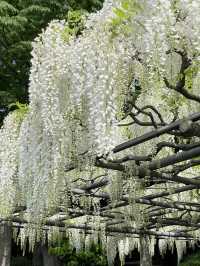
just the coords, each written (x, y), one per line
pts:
(5, 244)
(145, 256)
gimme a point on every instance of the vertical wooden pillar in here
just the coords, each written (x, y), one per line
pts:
(145, 256)
(5, 244)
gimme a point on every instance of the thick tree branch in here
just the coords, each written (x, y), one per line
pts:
(153, 134)
(186, 62)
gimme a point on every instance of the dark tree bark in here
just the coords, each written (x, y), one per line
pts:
(5, 244)
(41, 257)
(145, 256)
(37, 256)
(49, 260)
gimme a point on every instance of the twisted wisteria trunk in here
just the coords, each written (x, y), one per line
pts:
(41, 257)
(5, 245)
(49, 260)
(145, 256)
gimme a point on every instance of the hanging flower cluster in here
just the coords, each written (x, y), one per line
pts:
(9, 163)
(75, 90)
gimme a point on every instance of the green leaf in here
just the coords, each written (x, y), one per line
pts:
(120, 13)
(126, 4)
(35, 9)
(6, 8)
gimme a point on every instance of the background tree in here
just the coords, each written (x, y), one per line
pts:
(90, 5)
(20, 22)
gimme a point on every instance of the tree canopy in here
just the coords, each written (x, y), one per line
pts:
(109, 145)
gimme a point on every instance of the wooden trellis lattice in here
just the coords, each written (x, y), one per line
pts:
(157, 209)
(153, 172)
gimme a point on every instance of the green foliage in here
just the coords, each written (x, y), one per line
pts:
(76, 22)
(89, 5)
(91, 257)
(20, 22)
(7, 9)
(192, 260)
(128, 9)
(190, 74)
(20, 109)
(174, 102)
